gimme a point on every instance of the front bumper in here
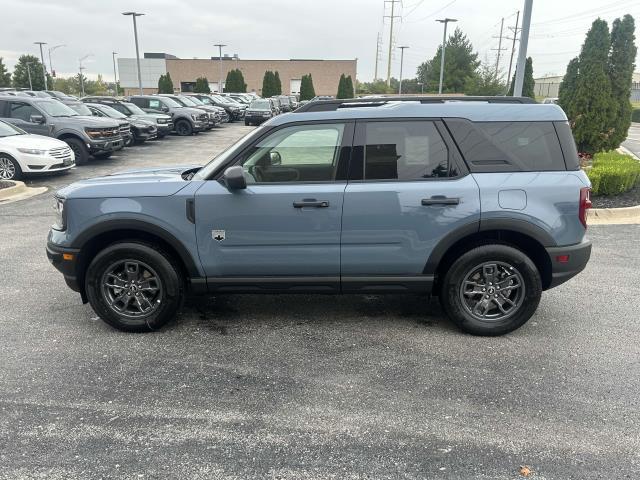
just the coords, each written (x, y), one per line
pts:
(45, 163)
(164, 129)
(567, 262)
(65, 260)
(100, 146)
(199, 126)
(256, 118)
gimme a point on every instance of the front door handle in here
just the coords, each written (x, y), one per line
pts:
(440, 200)
(311, 203)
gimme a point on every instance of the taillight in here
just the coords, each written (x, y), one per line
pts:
(585, 204)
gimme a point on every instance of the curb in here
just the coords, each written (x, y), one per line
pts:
(614, 216)
(626, 151)
(19, 192)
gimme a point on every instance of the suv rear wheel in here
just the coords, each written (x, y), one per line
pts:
(491, 290)
(183, 128)
(134, 287)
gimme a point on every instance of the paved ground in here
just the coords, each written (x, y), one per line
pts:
(633, 139)
(308, 386)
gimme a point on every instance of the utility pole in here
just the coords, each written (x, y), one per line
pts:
(53, 72)
(29, 73)
(378, 45)
(522, 51)
(135, 35)
(392, 17)
(44, 67)
(220, 45)
(401, 62)
(444, 44)
(499, 47)
(513, 48)
(115, 74)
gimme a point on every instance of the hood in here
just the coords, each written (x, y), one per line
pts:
(96, 122)
(31, 141)
(150, 117)
(191, 110)
(148, 182)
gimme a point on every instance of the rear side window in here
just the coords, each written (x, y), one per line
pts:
(404, 151)
(508, 146)
(141, 102)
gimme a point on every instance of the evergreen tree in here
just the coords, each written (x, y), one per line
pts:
(268, 84)
(235, 82)
(460, 64)
(592, 106)
(621, 65)
(342, 93)
(5, 75)
(567, 88)
(169, 85)
(202, 85)
(528, 83)
(348, 87)
(165, 85)
(484, 82)
(307, 92)
(277, 83)
(21, 75)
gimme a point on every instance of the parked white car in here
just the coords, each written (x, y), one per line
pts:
(22, 153)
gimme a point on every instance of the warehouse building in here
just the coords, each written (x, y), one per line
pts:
(184, 72)
(549, 86)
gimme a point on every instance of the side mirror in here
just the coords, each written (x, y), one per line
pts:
(234, 179)
(36, 119)
(275, 158)
(164, 109)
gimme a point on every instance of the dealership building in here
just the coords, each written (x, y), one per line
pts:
(184, 72)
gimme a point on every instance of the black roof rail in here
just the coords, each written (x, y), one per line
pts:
(332, 105)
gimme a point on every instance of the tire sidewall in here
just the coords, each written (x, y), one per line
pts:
(184, 128)
(501, 253)
(17, 173)
(172, 286)
(79, 150)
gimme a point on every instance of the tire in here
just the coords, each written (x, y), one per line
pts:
(246, 124)
(9, 168)
(469, 279)
(124, 308)
(102, 155)
(183, 128)
(79, 150)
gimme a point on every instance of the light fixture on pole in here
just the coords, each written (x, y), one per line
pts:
(421, 87)
(44, 67)
(135, 36)
(444, 44)
(81, 68)
(401, 62)
(220, 45)
(29, 74)
(115, 74)
(53, 72)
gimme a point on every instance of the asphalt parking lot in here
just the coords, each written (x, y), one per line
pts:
(311, 387)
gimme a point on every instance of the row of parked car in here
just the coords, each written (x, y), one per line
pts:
(97, 126)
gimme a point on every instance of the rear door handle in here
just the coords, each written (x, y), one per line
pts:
(311, 203)
(440, 200)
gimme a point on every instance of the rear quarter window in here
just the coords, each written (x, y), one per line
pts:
(508, 146)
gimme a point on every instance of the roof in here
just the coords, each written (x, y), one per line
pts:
(474, 111)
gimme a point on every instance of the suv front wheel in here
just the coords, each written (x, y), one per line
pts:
(183, 128)
(491, 290)
(134, 287)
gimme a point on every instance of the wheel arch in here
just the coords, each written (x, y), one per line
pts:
(528, 238)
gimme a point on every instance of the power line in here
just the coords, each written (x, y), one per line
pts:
(433, 13)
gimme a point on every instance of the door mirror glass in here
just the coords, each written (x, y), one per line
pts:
(234, 178)
(36, 119)
(164, 108)
(275, 158)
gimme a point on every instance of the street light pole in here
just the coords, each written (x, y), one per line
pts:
(135, 35)
(81, 69)
(401, 62)
(50, 62)
(44, 67)
(29, 73)
(522, 51)
(444, 44)
(421, 87)
(220, 45)
(115, 74)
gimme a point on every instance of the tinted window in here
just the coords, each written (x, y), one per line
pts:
(307, 153)
(508, 146)
(404, 151)
(141, 102)
(23, 111)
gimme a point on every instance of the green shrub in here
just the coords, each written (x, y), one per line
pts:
(635, 115)
(613, 173)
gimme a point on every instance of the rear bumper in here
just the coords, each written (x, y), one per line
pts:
(65, 260)
(567, 262)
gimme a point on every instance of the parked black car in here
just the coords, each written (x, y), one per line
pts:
(259, 111)
(233, 108)
(206, 100)
(186, 120)
(285, 103)
(123, 125)
(162, 121)
(142, 130)
(213, 118)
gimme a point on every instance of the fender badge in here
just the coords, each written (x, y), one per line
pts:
(218, 235)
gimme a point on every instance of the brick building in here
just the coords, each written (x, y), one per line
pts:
(325, 73)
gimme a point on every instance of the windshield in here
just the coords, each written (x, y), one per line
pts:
(8, 130)
(260, 105)
(205, 100)
(222, 99)
(195, 101)
(134, 109)
(170, 102)
(110, 112)
(222, 157)
(81, 108)
(56, 109)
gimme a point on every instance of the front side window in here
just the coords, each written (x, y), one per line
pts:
(156, 104)
(307, 153)
(23, 111)
(404, 151)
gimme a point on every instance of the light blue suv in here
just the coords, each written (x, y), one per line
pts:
(479, 202)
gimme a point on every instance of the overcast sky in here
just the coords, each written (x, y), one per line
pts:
(281, 29)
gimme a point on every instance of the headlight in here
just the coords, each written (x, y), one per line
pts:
(93, 133)
(61, 218)
(194, 116)
(32, 151)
